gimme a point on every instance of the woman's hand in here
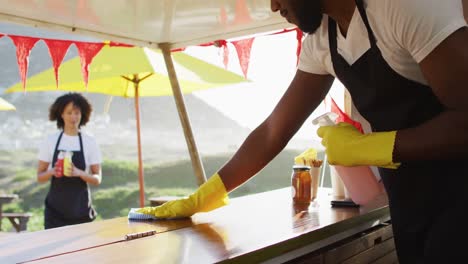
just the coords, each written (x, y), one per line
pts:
(94, 178)
(43, 172)
(75, 172)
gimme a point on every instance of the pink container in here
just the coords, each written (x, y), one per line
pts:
(360, 182)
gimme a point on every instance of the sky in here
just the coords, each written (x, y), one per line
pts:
(271, 69)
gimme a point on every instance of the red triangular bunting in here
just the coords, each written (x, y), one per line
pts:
(118, 44)
(242, 13)
(177, 50)
(1, 35)
(225, 56)
(223, 18)
(57, 7)
(84, 12)
(23, 49)
(87, 51)
(299, 35)
(222, 43)
(57, 51)
(243, 48)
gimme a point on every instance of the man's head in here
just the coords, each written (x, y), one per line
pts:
(306, 14)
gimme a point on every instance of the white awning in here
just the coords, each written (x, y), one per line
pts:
(148, 22)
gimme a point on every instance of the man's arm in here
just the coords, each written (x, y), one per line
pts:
(446, 135)
(304, 94)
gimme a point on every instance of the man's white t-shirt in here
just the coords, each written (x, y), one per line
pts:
(406, 32)
(92, 153)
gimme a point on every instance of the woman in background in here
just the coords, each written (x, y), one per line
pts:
(68, 201)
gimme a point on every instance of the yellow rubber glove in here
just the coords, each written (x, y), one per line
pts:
(346, 146)
(209, 196)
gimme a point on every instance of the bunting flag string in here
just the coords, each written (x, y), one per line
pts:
(24, 46)
(88, 50)
(299, 37)
(242, 13)
(223, 18)
(57, 51)
(243, 48)
(223, 44)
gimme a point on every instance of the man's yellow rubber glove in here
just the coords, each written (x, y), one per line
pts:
(346, 146)
(209, 196)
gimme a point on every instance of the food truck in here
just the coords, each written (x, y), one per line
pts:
(263, 227)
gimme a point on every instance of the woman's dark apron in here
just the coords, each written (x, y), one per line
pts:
(426, 198)
(68, 201)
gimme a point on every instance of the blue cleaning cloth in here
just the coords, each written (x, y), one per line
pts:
(134, 215)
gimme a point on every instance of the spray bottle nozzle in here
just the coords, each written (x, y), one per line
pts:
(327, 119)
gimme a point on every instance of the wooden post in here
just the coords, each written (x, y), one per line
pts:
(184, 119)
(141, 178)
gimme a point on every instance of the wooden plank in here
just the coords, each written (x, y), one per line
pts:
(17, 215)
(390, 258)
(339, 252)
(357, 244)
(308, 259)
(18, 220)
(250, 229)
(39, 244)
(372, 253)
(5, 198)
(5, 234)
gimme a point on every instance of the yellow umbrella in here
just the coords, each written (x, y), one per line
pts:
(6, 106)
(114, 70)
(135, 72)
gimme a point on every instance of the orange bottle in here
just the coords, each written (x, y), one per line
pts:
(301, 182)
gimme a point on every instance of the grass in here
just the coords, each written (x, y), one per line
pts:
(119, 190)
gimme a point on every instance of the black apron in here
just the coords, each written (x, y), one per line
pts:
(426, 198)
(68, 201)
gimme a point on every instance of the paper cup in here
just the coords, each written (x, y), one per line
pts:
(338, 189)
(315, 175)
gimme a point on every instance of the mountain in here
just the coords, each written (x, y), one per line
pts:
(39, 59)
(115, 130)
(162, 133)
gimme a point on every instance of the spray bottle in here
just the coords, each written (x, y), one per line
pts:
(338, 189)
(359, 181)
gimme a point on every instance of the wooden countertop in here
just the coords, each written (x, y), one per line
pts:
(254, 228)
